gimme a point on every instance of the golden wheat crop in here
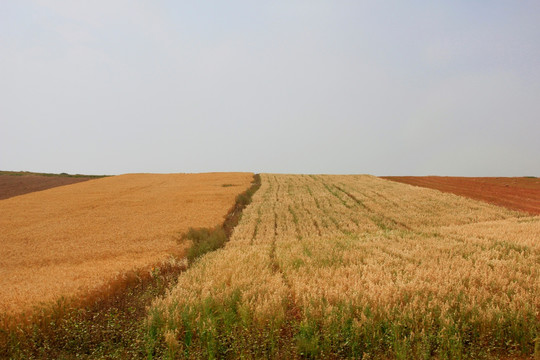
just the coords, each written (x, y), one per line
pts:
(67, 240)
(359, 265)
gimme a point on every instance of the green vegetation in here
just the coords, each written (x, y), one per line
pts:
(226, 331)
(209, 239)
(204, 240)
(244, 199)
(406, 335)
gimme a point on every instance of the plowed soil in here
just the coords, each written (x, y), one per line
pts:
(69, 240)
(14, 185)
(517, 193)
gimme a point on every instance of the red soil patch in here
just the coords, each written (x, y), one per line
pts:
(516, 193)
(14, 185)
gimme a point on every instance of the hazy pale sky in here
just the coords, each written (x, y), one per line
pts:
(386, 88)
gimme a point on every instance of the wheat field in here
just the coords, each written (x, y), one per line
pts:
(68, 240)
(360, 267)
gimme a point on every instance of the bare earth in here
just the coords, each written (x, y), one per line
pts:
(11, 186)
(517, 193)
(68, 240)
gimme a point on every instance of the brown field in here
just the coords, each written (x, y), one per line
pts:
(517, 193)
(68, 240)
(14, 185)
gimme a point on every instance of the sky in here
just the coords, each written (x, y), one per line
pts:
(338, 87)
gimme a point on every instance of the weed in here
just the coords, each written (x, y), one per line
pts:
(204, 240)
(108, 322)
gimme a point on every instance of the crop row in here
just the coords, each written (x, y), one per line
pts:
(357, 266)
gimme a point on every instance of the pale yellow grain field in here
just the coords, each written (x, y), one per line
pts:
(316, 242)
(68, 240)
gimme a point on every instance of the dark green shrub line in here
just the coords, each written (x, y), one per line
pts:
(204, 240)
(110, 321)
(209, 239)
